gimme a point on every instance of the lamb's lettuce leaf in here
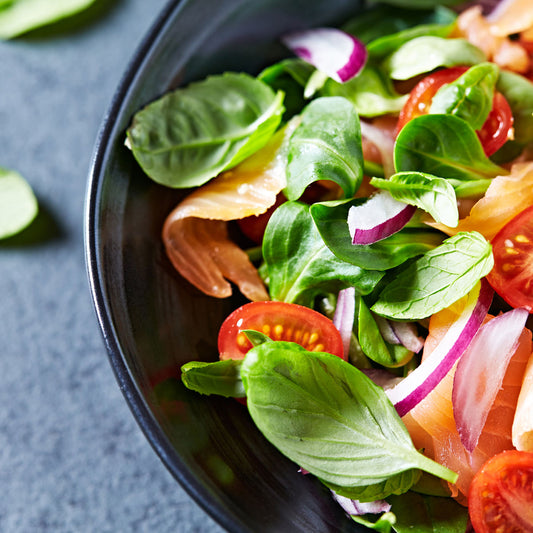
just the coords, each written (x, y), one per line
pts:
(326, 145)
(189, 135)
(426, 53)
(448, 147)
(299, 266)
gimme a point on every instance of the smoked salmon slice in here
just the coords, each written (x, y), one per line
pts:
(432, 425)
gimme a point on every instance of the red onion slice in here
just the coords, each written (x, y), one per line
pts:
(344, 317)
(404, 333)
(419, 383)
(480, 372)
(356, 508)
(334, 52)
(379, 217)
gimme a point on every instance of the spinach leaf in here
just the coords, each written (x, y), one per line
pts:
(333, 421)
(437, 279)
(427, 514)
(371, 92)
(331, 219)
(432, 194)
(289, 76)
(220, 377)
(20, 16)
(469, 96)
(424, 54)
(188, 136)
(518, 92)
(325, 145)
(444, 146)
(18, 204)
(299, 266)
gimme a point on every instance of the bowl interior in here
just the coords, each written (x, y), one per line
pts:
(151, 319)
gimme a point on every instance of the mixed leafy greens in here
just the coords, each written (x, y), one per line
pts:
(339, 157)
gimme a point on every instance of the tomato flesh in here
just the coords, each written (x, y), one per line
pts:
(497, 127)
(500, 498)
(279, 321)
(512, 248)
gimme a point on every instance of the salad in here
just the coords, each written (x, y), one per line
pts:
(371, 195)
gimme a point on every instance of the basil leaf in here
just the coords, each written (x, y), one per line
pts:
(437, 279)
(192, 134)
(371, 92)
(518, 92)
(331, 219)
(221, 377)
(20, 16)
(469, 96)
(445, 146)
(298, 264)
(432, 194)
(425, 54)
(333, 421)
(325, 145)
(18, 205)
(383, 524)
(427, 514)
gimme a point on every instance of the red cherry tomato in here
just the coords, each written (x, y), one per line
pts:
(280, 321)
(501, 494)
(494, 132)
(512, 248)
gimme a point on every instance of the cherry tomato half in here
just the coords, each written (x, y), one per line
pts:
(501, 494)
(494, 132)
(512, 248)
(282, 322)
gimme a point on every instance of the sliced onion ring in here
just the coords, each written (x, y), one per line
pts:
(480, 372)
(344, 317)
(419, 383)
(334, 52)
(379, 217)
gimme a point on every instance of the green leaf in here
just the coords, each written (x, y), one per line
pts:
(325, 146)
(437, 279)
(190, 135)
(371, 92)
(333, 421)
(424, 54)
(428, 514)
(432, 194)
(300, 266)
(18, 204)
(469, 96)
(383, 21)
(331, 219)
(444, 146)
(383, 524)
(518, 92)
(289, 76)
(419, 4)
(20, 16)
(220, 377)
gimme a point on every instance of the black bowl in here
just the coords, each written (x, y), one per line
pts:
(152, 320)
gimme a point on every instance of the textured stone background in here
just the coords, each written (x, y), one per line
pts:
(72, 458)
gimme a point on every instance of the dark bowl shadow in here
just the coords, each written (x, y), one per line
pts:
(152, 320)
